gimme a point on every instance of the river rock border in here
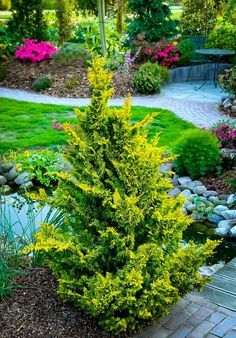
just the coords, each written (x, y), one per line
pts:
(10, 177)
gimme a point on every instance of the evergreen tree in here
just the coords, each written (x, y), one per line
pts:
(152, 19)
(27, 19)
(64, 12)
(119, 255)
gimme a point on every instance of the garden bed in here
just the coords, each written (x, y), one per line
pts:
(21, 75)
(35, 310)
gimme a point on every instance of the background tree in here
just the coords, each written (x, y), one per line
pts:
(64, 13)
(5, 5)
(152, 19)
(27, 19)
(198, 17)
(101, 16)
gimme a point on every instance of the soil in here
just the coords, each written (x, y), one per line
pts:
(223, 184)
(21, 75)
(35, 310)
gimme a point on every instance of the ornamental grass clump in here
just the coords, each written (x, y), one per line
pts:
(119, 256)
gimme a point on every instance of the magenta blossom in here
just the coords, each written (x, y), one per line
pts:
(34, 51)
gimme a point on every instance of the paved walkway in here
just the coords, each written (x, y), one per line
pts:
(194, 317)
(197, 106)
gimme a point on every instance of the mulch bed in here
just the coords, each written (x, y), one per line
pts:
(223, 184)
(21, 75)
(35, 310)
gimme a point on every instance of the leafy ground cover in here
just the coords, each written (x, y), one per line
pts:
(26, 125)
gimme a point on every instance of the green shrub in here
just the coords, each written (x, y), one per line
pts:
(71, 52)
(49, 4)
(27, 19)
(228, 80)
(198, 17)
(147, 78)
(186, 51)
(198, 153)
(3, 71)
(72, 82)
(64, 10)
(222, 36)
(5, 5)
(119, 255)
(152, 19)
(41, 83)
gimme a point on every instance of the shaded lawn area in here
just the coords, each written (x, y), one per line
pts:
(27, 125)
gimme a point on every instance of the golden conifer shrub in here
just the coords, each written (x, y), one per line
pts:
(119, 255)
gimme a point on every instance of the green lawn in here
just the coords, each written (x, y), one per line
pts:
(26, 125)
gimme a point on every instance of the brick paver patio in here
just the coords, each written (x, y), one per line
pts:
(194, 317)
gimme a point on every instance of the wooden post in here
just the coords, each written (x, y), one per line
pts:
(101, 15)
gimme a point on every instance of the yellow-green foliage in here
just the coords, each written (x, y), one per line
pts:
(119, 255)
(223, 36)
(198, 17)
(64, 12)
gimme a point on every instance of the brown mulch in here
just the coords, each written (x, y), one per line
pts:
(223, 184)
(21, 75)
(35, 310)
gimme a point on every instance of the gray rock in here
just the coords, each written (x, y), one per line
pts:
(200, 204)
(5, 188)
(233, 109)
(210, 193)
(186, 193)
(174, 192)
(175, 180)
(190, 206)
(3, 180)
(185, 211)
(197, 217)
(7, 166)
(225, 224)
(227, 103)
(192, 185)
(27, 185)
(23, 177)
(184, 180)
(193, 197)
(229, 214)
(12, 174)
(165, 168)
(232, 231)
(203, 199)
(215, 219)
(231, 199)
(199, 189)
(221, 232)
(216, 201)
(219, 209)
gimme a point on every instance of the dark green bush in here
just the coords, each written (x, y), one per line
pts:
(71, 52)
(5, 5)
(3, 71)
(198, 154)
(41, 83)
(27, 19)
(148, 78)
(186, 51)
(49, 4)
(152, 19)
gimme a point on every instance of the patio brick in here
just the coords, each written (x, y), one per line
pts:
(223, 327)
(201, 330)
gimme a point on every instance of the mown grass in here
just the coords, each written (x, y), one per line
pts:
(26, 125)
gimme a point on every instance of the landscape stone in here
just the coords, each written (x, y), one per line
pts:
(232, 231)
(26, 185)
(221, 232)
(231, 199)
(219, 209)
(233, 109)
(174, 192)
(12, 174)
(215, 219)
(7, 166)
(185, 211)
(184, 180)
(191, 207)
(175, 180)
(210, 193)
(186, 193)
(229, 214)
(5, 188)
(225, 224)
(192, 197)
(199, 189)
(165, 168)
(23, 177)
(3, 180)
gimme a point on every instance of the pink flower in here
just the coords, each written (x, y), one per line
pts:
(34, 51)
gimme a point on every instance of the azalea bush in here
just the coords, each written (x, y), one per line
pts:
(225, 131)
(34, 51)
(119, 254)
(163, 52)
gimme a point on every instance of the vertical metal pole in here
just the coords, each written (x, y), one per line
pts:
(101, 15)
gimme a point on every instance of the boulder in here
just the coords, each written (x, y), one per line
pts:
(184, 180)
(231, 199)
(209, 193)
(219, 209)
(165, 168)
(175, 180)
(174, 192)
(5, 167)
(229, 214)
(215, 219)
(186, 193)
(3, 180)
(199, 189)
(221, 232)
(12, 174)
(23, 177)
(225, 224)
(27, 185)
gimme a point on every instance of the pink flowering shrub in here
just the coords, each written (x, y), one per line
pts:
(163, 52)
(34, 51)
(226, 134)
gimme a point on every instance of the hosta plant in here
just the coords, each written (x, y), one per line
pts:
(119, 255)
